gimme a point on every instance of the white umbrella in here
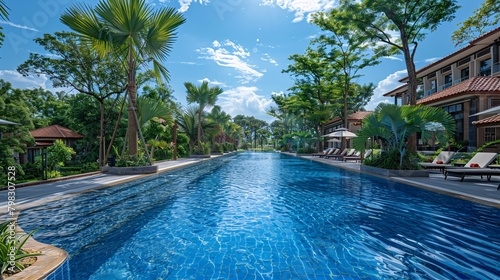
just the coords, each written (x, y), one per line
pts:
(333, 140)
(341, 132)
(494, 110)
(7, 122)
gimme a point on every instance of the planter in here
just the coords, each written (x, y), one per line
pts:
(199, 156)
(133, 170)
(393, 173)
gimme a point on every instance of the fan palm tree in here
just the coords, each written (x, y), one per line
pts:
(394, 125)
(203, 95)
(188, 123)
(135, 32)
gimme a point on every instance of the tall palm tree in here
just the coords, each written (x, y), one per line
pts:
(203, 95)
(188, 123)
(132, 30)
(220, 119)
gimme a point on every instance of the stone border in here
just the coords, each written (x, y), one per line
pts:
(393, 173)
(199, 156)
(133, 170)
(50, 260)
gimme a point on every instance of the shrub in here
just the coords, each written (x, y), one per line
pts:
(11, 245)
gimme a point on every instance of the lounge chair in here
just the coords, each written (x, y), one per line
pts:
(358, 157)
(477, 165)
(348, 153)
(331, 152)
(440, 162)
(325, 152)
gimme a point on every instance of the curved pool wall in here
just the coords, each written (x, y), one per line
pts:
(269, 216)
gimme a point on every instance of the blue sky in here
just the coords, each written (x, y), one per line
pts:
(239, 45)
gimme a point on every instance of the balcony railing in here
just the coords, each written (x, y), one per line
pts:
(431, 91)
(458, 81)
(447, 85)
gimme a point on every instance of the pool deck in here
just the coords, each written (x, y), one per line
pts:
(472, 188)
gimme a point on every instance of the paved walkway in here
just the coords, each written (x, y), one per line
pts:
(473, 188)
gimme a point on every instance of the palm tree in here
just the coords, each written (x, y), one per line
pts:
(220, 119)
(132, 30)
(203, 95)
(394, 124)
(188, 123)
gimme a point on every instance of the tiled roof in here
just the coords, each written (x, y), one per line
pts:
(473, 85)
(356, 116)
(56, 132)
(488, 120)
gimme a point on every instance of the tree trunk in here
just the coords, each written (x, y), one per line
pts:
(132, 104)
(199, 130)
(101, 137)
(412, 87)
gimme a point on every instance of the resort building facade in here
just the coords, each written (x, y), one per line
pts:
(354, 122)
(464, 84)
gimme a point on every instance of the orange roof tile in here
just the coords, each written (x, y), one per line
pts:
(488, 120)
(56, 132)
(473, 85)
(356, 116)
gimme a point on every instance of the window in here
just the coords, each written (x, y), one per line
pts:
(489, 134)
(447, 79)
(433, 84)
(464, 74)
(485, 67)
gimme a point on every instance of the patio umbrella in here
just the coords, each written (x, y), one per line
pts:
(8, 123)
(494, 110)
(333, 140)
(341, 132)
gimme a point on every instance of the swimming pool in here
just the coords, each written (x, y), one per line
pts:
(269, 216)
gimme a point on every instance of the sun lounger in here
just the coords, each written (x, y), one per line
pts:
(331, 152)
(462, 172)
(358, 157)
(341, 156)
(475, 166)
(440, 162)
(325, 152)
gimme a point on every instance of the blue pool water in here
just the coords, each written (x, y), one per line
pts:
(269, 216)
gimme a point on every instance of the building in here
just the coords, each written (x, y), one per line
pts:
(354, 122)
(46, 136)
(463, 83)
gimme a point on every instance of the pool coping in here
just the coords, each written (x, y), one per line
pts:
(52, 257)
(46, 263)
(410, 181)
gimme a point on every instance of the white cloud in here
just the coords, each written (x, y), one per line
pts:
(393, 58)
(18, 81)
(186, 3)
(244, 100)
(301, 7)
(432, 59)
(268, 58)
(213, 83)
(384, 86)
(17, 25)
(229, 54)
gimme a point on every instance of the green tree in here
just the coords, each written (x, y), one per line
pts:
(204, 96)
(58, 154)
(188, 124)
(348, 53)
(476, 25)
(220, 119)
(78, 66)
(393, 125)
(377, 20)
(14, 139)
(132, 31)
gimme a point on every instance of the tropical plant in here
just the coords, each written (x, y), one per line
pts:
(11, 248)
(188, 124)
(203, 95)
(487, 15)
(133, 31)
(4, 15)
(392, 125)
